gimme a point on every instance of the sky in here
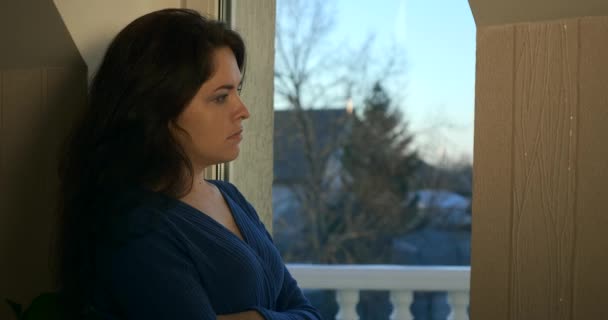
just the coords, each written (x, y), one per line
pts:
(437, 41)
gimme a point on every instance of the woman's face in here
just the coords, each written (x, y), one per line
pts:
(213, 118)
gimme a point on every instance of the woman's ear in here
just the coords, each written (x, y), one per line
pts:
(177, 132)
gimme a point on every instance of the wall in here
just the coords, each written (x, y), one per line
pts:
(92, 24)
(497, 12)
(42, 87)
(541, 165)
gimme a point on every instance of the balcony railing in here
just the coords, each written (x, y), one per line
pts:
(400, 281)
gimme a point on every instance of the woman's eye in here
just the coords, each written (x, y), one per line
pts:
(221, 99)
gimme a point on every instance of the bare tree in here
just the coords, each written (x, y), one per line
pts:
(314, 73)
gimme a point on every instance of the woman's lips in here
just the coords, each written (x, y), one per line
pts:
(236, 136)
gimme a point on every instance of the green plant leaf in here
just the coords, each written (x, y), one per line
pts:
(44, 307)
(17, 308)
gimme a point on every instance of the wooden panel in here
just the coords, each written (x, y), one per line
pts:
(491, 235)
(3, 183)
(30, 45)
(252, 171)
(66, 94)
(37, 107)
(20, 260)
(41, 75)
(496, 12)
(545, 96)
(591, 244)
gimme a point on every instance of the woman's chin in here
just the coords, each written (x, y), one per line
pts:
(232, 156)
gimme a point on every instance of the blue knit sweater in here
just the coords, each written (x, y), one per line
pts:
(187, 266)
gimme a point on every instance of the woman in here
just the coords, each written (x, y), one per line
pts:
(143, 234)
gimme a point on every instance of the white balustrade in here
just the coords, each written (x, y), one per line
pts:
(400, 281)
(347, 302)
(459, 302)
(401, 300)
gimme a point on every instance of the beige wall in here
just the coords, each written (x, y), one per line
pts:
(42, 86)
(541, 165)
(92, 24)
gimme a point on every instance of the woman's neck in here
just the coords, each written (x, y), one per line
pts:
(200, 187)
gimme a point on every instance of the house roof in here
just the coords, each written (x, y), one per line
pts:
(298, 135)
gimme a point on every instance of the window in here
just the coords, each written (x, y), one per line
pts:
(373, 138)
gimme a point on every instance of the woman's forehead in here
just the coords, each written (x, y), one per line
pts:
(225, 68)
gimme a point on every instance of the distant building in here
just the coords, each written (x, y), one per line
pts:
(301, 134)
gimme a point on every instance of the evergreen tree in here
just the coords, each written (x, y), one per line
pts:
(379, 163)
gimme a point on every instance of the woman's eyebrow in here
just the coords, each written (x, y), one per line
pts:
(224, 86)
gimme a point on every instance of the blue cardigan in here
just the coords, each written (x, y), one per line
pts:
(190, 267)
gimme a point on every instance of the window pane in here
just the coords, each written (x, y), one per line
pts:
(373, 138)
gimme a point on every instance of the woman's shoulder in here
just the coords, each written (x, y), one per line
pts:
(138, 214)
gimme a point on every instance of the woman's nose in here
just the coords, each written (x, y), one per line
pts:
(243, 110)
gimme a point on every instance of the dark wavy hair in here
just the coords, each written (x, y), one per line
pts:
(150, 72)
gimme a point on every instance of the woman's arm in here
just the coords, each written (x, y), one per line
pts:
(248, 315)
(291, 303)
(152, 278)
